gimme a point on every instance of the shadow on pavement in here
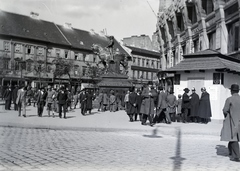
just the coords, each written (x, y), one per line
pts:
(69, 117)
(222, 150)
(177, 160)
(154, 134)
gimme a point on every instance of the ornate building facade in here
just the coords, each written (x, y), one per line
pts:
(189, 26)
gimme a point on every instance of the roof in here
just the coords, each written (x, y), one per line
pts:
(144, 52)
(26, 27)
(206, 61)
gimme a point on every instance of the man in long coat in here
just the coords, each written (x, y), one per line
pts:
(138, 104)
(89, 100)
(21, 101)
(62, 98)
(147, 107)
(8, 98)
(82, 99)
(41, 101)
(194, 102)
(231, 124)
(186, 105)
(204, 111)
(132, 100)
(171, 105)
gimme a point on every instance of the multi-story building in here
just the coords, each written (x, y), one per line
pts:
(145, 62)
(29, 45)
(199, 42)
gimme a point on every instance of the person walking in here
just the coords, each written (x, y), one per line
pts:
(194, 105)
(112, 102)
(204, 111)
(41, 101)
(82, 100)
(100, 101)
(75, 100)
(105, 101)
(162, 106)
(126, 100)
(50, 101)
(186, 105)
(132, 103)
(179, 108)
(231, 125)
(147, 107)
(89, 101)
(171, 105)
(62, 102)
(14, 97)
(21, 101)
(8, 98)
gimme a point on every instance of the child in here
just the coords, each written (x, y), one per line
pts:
(179, 108)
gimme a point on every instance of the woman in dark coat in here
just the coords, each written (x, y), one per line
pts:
(132, 109)
(204, 111)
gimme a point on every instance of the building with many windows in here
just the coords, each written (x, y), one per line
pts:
(199, 43)
(29, 46)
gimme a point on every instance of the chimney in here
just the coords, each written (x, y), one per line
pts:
(68, 25)
(34, 15)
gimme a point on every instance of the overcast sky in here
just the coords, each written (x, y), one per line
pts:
(121, 18)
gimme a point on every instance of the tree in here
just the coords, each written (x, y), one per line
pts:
(38, 68)
(94, 71)
(62, 67)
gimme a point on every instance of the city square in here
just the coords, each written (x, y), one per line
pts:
(108, 141)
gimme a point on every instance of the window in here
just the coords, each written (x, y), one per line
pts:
(233, 37)
(139, 60)
(134, 59)
(138, 74)
(6, 46)
(163, 34)
(76, 56)
(5, 64)
(212, 40)
(192, 15)
(16, 65)
(133, 73)
(153, 65)
(151, 75)
(29, 49)
(84, 69)
(147, 63)
(94, 58)
(40, 51)
(207, 6)
(29, 66)
(147, 75)
(177, 79)
(218, 78)
(57, 52)
(180, 23)
(18, 48)
(171, 29)
(66, 54)
(195, 44)
(143, 62)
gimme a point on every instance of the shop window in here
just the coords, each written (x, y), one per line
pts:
(218, 78)
(207, 6)
(177, 78)
(6, 46)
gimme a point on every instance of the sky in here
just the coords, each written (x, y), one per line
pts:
(120, 18)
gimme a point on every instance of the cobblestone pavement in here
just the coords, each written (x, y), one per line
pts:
(45, 149)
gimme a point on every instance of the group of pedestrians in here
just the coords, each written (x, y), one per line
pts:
(157, 105)
(59, 100)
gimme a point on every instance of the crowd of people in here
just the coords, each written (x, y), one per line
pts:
(56, 100)
(157, 105)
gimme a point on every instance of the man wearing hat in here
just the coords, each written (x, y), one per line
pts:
(230, 131)
(41, 101)
(194, 106)
(186, 105)
(204, 110)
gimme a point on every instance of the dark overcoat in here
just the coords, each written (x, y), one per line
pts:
(8, 95)
(14, 95)
(232, 118)
(194, 102)
(185, 101)
(138, 102)
(204, 110)
(147, 106)
(62, 97)
(171, 102)
(132, 108)
(89, 100)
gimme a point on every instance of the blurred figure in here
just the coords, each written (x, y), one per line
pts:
(171, 105)
(8, 98)
(186, 105)
(132, 103)
(179, 108)
(112, 102)
(41, 101)
(194, 102)
(100, 101)
(50, 101)
(138, 104)
(62, 98)
(204, 111)
(83, 102)
(105, 101)
(14, 97)
(89, 100)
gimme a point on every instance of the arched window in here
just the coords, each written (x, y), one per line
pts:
(207, 6)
